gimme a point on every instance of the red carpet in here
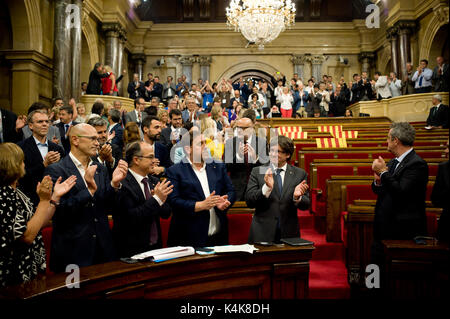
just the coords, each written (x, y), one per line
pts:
(328, 274)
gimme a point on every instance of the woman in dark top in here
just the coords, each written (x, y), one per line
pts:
(22, 253)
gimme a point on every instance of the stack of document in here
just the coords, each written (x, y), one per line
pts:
(235, 248)
(165, 253)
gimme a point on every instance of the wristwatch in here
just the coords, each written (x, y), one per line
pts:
(52, 202)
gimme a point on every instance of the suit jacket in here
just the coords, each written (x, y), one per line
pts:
(165, 137)
(408, 86)
(163, 154)
(131, 89)
(118, 138)
(9, 127)
(238, 171)
(165, 91)
(133, 217)
(185, 115)
(278, 208)
(131, 117)
(81, 233)
(95, 82)
(34, 166)
(440, 198)
(65, 141)
(441, 83)
(438, 117)
(400, 207)
(188, 227)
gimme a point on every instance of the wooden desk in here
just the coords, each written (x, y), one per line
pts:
(270, 273)
(415, 271)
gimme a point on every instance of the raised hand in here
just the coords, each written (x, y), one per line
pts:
(51, 157)
(21, 122)
(211, 201)
(268, 178)
(163, 189)
(119, 173)
(105, 153)
(223, 202)
(379, 165)
(89, 178)
(62, 189)
(111, 136)
(300, 189)
(44, 189)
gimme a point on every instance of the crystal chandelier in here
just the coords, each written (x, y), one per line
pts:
(260, 21)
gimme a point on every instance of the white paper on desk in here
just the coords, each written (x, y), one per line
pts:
(235, 248)
(166, 253)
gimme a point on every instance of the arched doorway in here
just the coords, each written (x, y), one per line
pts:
(6, 43)
(439, 46)
(253, 75)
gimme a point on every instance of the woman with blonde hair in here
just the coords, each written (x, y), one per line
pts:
(163, 117)
(213, 137)
(22, 252)
(109, 86)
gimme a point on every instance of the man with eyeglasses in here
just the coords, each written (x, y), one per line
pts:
(140, 203)
(39, 153)
(277, 191)
(242, 154)
(81, 233)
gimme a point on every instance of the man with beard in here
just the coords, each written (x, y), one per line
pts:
(108, 154)
(151, 127)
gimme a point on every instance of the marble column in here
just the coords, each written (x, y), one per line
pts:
(392, 36)
(112, 34)
(62, 75)
(405, 30)
(299, 62)
(186, 63)
(120, 63)
(139, 60)
(366, 59)
(75, 35)
(316, 65)
(205, 62)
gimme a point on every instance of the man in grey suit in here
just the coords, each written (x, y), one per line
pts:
(169, 89)
(137, 115)
(276, 191)
(441, 75)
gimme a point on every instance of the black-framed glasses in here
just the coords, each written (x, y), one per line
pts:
(149, 157)
(92, 138)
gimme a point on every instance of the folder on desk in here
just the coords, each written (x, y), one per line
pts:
(296, 241)
(165, 253)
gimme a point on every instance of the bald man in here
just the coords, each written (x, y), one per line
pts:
(81, 233)
(242, 153)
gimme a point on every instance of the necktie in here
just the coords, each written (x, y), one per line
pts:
(393, 166)
(66, 128)
(139, 117)
(278, 179)
(420, 81)
(153, 229)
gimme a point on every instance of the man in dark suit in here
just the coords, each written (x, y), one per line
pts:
(276, 191)
(200, 199)
(172, 134)
(440, 198)
(136, 217)
(95, 79)
(115, 128)
(441, 75)
(438, 116)
(81, 233)
(64, 126)
(108, 154)
(53, 131)
(242, 153)
(401, 187)
(10, 126)
(151, 127)
(135, 88)
(39, 153)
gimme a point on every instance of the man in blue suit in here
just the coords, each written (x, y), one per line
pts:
(81, 233)
(201, 196)
(115, 127)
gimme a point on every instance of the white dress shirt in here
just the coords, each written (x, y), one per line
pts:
(80, 167)
(265, 189)
(111, 127)
(43, 148)
(139, 179)
(214, 223)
